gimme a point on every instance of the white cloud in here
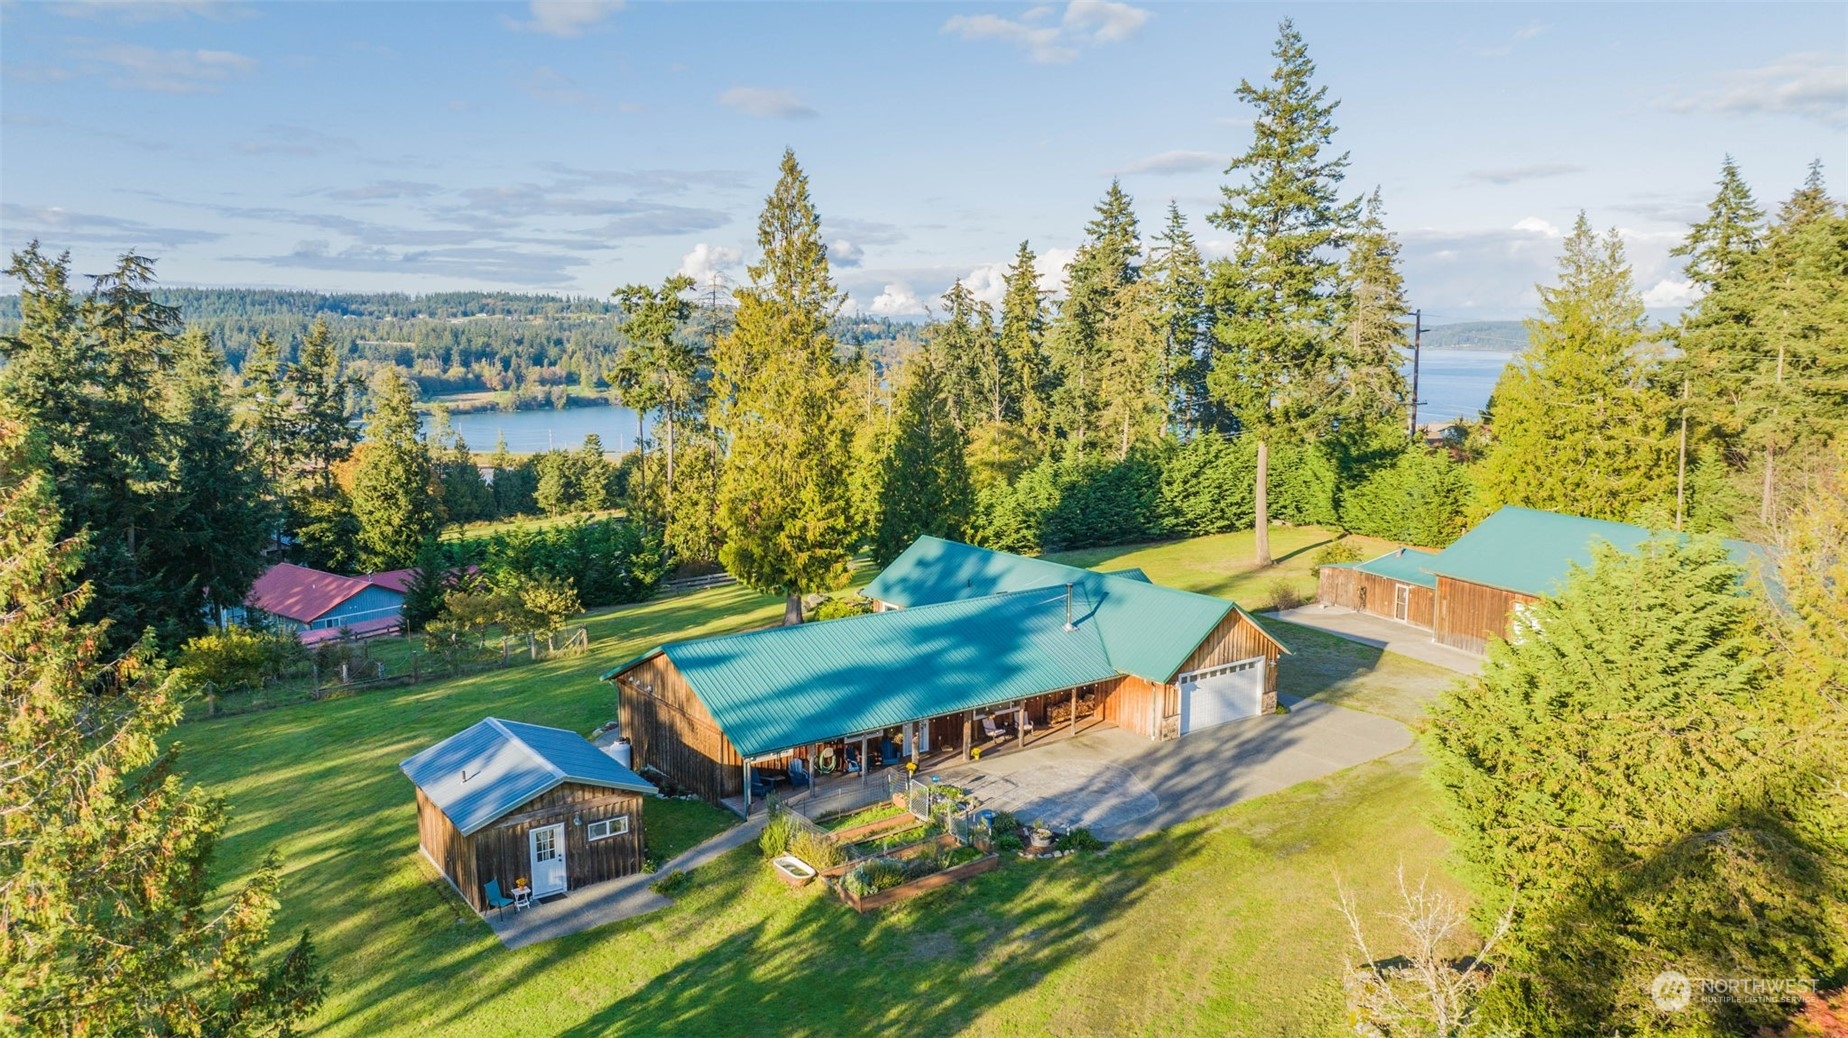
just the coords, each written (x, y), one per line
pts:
(132, 66)
(987, 282)
(844, 253)
(1809, 84)
(566, 19)
(1535, 225)
(137, 11)
(1516, 174)
(1086, 23)
(897, 300)
(554, 87)
(766, 103)
(1176, 162)
(1670, 292)
(706, 262)
(1051, 266)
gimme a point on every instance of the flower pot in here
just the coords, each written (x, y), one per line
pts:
(1039, 840)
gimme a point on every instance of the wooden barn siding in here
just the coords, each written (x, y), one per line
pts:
(1235, 638)
(452, 853)
(502, 851)
(671, 731)
(1468, 614)
(1342, 587)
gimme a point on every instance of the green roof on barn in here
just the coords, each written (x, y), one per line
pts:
(1407, 565)
(786, 686)
(486, 770)
(1531, 552)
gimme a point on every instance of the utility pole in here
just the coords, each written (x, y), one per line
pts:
(1681, 469)
(1417, 344)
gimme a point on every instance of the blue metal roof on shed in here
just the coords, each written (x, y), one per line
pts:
(488, 769)
(1408, 565)
(1531, 552)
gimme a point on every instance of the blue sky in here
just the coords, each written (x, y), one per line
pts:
(566, 146)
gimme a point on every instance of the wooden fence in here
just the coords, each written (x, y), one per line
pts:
(685, 584)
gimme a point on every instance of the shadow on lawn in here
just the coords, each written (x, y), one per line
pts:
(930, 967)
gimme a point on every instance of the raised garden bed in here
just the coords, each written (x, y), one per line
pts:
(849, 820)
(902, 852)
(922, 885)
(879, 827)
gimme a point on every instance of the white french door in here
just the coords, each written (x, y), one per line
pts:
(548, 858)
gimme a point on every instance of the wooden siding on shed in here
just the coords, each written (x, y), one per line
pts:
(448, 850)
(1373, 594)
(671, 731)
(1470, 614)
(501, 851)
(1235, 638)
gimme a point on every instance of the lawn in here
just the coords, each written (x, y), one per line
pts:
(1225, 925)
(1221, 564)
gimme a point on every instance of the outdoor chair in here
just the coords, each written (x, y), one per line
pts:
(496, 900)
(993, 728)
(798, 773)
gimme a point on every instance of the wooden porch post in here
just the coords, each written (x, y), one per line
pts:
(1020, 724)
(747, 788)
(866, 762)
(1074, 709)
(911, 739)
(968, 731)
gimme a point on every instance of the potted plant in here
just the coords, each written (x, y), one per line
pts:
(1040, 838)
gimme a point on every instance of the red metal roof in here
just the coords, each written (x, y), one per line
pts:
(302, 594)
(398, 580)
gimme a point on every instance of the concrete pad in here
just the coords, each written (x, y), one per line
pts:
(1121, 785)
(1382, 633)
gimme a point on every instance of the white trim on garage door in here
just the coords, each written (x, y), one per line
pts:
(1218, 695)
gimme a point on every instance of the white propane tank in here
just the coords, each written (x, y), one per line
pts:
(621, 752)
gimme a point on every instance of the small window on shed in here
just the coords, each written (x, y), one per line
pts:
(604, 828)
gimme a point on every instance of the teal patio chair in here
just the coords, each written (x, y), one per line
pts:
(495, 900)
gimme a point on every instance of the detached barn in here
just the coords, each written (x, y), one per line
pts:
(505, 801)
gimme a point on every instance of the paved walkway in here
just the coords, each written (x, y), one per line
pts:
(611, 901)
(1382, 633)
(1121, 785)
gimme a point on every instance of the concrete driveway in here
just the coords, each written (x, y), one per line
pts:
(1121, 785)
(1382, 633)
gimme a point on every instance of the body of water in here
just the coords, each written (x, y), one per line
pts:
(1452, 383)
(528, 432)
(1456, 383)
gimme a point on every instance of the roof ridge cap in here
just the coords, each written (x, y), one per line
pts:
(501, 727)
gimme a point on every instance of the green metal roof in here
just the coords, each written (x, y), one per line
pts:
(1407, 565)
(1530, 551)
(785, 686)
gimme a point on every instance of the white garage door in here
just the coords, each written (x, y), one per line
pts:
(1221, 694)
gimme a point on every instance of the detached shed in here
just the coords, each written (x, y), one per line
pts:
(503, 800)
(1395, 585)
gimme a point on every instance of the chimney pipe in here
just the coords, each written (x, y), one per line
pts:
(1068, 608)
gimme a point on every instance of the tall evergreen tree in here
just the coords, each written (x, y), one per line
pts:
(105, 865)
(1580, 426)
(660, 368)
(1023, 347)
(784, 505)
(1175, 265)
(324, 432)
(1732, 232)
(463, 496)
(394, 487)
(221, 516)
(1079, 341)
(926, 489)
(1376, 319)
(1277, 360)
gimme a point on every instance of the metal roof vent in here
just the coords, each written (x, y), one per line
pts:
(1068, 608)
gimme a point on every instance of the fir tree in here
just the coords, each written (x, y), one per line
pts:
(222, 518)
(1179, 272)
(105, 867)
(1613, 774)
(1022, 346)
(1732, 232)
(324, 433)
(1376, 318)
(1276, 361)
(926, 489)
(394, 494)
(783, 502)
(1079, 341)
(463, 496)
(660, 368)
(1579, 425)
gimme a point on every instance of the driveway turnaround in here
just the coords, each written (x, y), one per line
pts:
(1120, 785)
(1382, 633)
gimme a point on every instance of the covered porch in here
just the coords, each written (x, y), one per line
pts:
(847, 773)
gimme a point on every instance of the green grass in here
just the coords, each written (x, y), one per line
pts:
(484, 530)
(1224, 925)
(675, 826)
(1221, 564)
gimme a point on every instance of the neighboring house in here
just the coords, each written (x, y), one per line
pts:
(320, 606)
(1473, 590)
(962, 633)
(506, 801)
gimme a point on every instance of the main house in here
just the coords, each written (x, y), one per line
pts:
(961, 636)
(1472, 591)
(321, 606)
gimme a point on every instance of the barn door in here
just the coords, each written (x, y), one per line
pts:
(1402, 602)
(548, 859)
